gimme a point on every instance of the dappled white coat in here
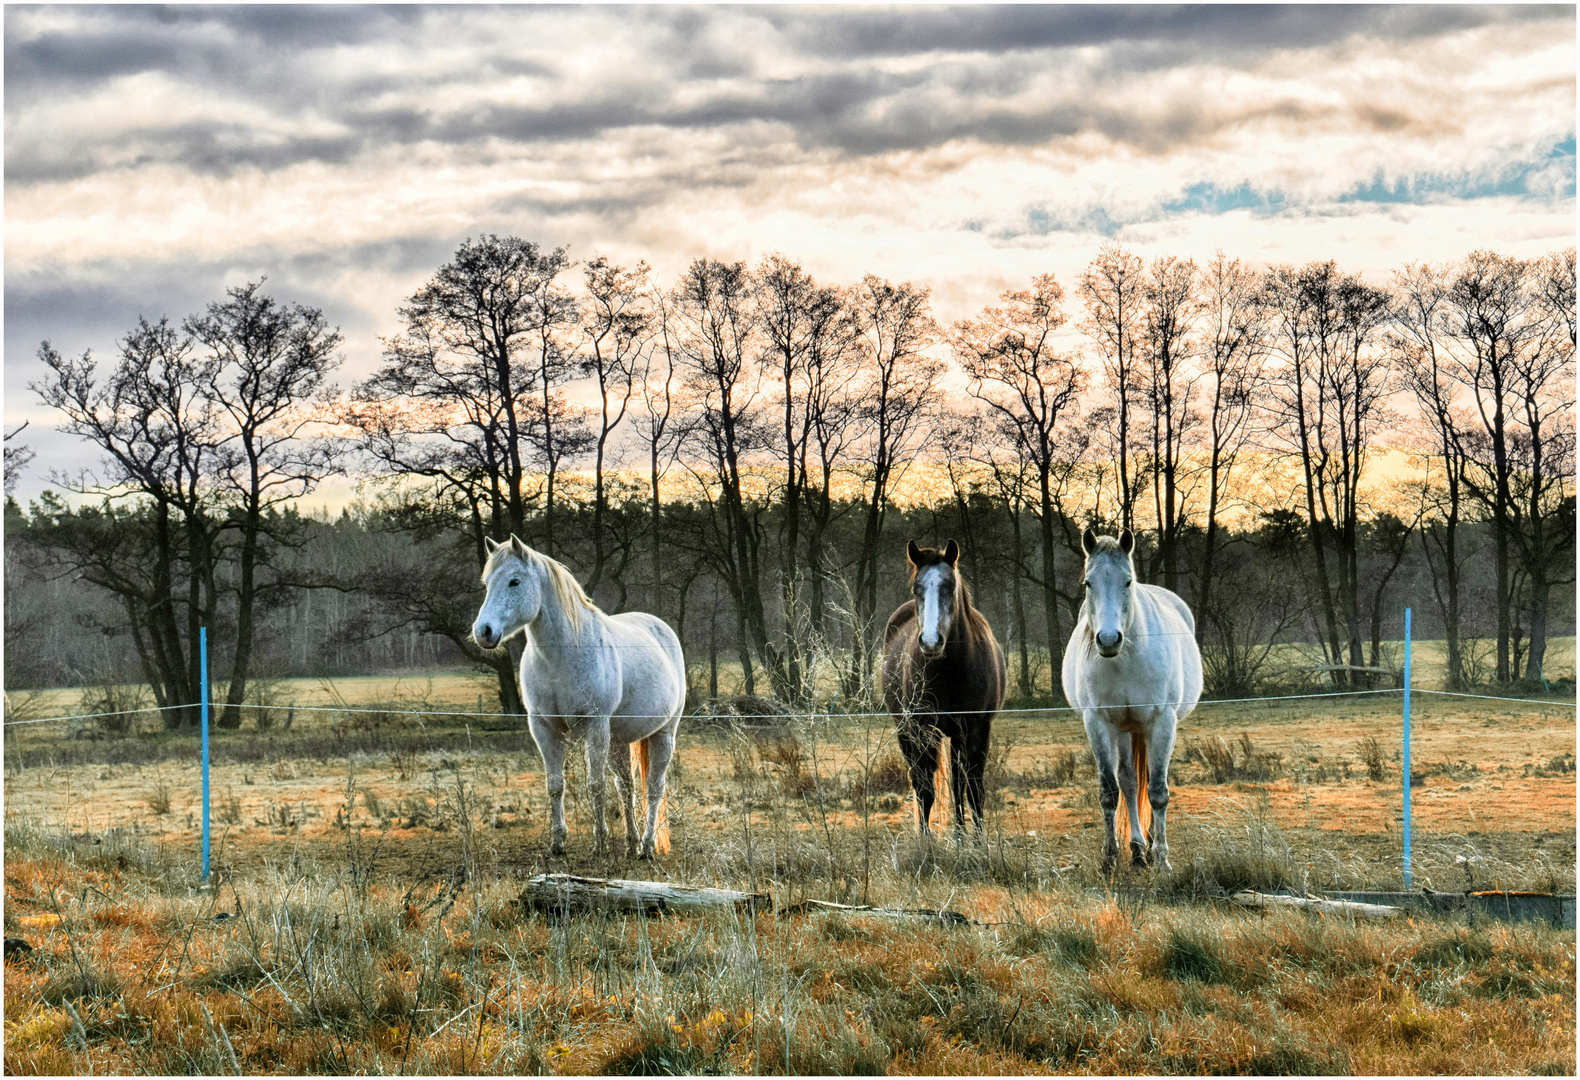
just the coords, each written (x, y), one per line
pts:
(1143, 691)
(607, 680)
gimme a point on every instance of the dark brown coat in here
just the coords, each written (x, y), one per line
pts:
(954, 695)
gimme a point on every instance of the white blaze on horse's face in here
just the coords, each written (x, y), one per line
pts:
(512, 596)
(1109, 578)
(935, 606)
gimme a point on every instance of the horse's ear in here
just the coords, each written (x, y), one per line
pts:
(1088, 541)
(912, 552)
(517, 546)
(491, 545)
(951, 552)
(1126, 541)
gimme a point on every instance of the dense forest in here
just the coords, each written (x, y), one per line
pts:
(745, 451)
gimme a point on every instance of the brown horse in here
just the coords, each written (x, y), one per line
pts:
(943, 675)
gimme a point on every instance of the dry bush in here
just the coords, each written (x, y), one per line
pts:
(230, 808)
(158, 800)
(124, 702)
(1371, 755)
(1223, 767)
(786, 755)
(887, 776)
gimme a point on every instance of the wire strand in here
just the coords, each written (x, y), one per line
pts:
(824, 717)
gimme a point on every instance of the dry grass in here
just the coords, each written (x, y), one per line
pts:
(376, 927)
(319, 972)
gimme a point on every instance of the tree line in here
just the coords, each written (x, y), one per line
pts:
(749, 448)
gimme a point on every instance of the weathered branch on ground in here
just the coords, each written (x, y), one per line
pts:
(559, 892)
(1252, 899)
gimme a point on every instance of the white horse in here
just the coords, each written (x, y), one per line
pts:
(604, 679)
(1134, 671)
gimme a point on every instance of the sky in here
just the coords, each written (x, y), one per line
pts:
(155, 156)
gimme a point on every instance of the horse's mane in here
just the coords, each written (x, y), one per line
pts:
(572, 597)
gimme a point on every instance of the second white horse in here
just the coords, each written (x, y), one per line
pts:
(1133, 669)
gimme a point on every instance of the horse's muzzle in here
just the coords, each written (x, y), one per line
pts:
(485, 636)
(1109, 649)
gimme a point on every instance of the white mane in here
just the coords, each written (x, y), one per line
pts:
(572, 597)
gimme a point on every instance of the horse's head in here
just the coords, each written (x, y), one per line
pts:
(935, 585)
(1108, 578)
(513, 592)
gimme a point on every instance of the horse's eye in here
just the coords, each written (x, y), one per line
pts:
(1128, 584)
(514, 583)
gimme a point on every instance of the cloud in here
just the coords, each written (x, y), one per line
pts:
(156, 156)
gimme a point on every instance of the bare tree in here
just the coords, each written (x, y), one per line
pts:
(718, 343)
(1417, 344)
(1009, 355)
(1328, 392)
(1542, 504)
(896, 325)
(1506, 326)
(1113, 289)
(661, 423)
(619, 327)
(1234, 349)
(801, 322)
(1167, 389)
(456, 401)
(560, 431)
(160, 436)
(268, 371)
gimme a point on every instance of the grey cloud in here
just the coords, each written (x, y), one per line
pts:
(274, 56)
(1181, 27)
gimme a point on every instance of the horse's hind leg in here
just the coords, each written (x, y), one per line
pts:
(919, 744)
(1105, 753)
(620, 762)
(660, 749)
(1127, 787)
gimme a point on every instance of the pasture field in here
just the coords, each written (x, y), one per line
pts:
(372, 863)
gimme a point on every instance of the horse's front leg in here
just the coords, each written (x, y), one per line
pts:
(1160, 749)
(919, 745)
(597, 740)
(551, 747)
(1105, 753)
(1128, 784)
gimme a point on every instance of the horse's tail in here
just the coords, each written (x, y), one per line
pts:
(661, 829)
(941, 793)
(1138, 750)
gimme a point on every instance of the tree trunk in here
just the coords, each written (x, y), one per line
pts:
(242, 660)
(1050, 588)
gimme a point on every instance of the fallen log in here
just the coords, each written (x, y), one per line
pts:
(1354, 908)
(562, 892)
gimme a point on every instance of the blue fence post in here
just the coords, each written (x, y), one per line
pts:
(1407, 748)
(203, 676)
